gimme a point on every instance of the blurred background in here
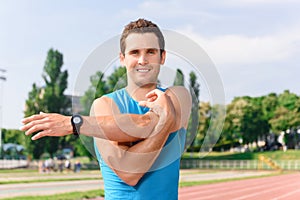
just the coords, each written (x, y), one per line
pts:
(254, 46)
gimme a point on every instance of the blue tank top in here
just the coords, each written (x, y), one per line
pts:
(161, 181)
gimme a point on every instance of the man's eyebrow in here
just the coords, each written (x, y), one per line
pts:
(137, 49)
(133, 50)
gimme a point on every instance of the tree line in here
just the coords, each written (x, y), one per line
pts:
(247, 118)
(250, 119)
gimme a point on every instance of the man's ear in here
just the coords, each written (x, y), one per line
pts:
(122, 58)
(163, 57)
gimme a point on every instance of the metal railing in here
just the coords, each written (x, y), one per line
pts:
(238, 164)
(11, 164)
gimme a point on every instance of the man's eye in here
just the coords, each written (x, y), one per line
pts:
(134, 52)
(151, 51)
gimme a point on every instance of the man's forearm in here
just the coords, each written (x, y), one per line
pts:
(120, 127)
(131, 162)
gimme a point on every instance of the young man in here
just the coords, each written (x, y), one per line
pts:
(139, 131)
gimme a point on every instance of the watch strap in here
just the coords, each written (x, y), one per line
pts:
(76, 125)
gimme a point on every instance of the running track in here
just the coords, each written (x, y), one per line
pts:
(283, 187)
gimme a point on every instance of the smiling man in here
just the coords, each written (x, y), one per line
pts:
(139, 131)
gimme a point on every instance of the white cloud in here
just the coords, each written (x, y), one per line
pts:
(241, 49)
(258, 2)
(169, 9)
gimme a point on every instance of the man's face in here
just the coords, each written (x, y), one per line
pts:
(142, 58)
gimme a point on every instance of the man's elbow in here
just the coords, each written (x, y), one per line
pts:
(132, 182)
(130, 178)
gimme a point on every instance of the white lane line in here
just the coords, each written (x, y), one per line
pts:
(265, 191)
(286, 195)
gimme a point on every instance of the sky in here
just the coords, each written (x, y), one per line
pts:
(254, 44)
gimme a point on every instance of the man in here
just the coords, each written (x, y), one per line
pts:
(139, 131)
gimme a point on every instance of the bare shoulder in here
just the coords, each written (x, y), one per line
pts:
(182, 101)
(104, 106)
(102, 100)
(177, 90)
(181, 94)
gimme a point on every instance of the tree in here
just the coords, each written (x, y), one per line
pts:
(13, 136)
(99, 86)
(233, 122)
(179, 78)
(54, 99)
(269, 104)
(286, 113)
(96, 89)
(194, 119)
(34, 105)
(49, 98)
(116, 80)
(295, 121)
(287, 100)
(204, 119)
(281, 120)
(254, 124)
(244, 120)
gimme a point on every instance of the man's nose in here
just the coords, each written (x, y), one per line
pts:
(142, 60)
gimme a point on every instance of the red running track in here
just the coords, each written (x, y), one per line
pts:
(283, 187)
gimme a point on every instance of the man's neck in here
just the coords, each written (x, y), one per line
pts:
(139, 93)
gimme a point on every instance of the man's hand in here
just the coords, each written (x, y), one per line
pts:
(47, 124)
(160, 103)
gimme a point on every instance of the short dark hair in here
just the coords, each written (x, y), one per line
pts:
(142, 26)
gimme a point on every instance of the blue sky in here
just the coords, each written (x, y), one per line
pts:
(254, 44)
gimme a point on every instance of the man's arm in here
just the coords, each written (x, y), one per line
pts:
(131, 162)
(116, 127)
(59, 125)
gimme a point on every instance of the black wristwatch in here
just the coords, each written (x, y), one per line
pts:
(76, 122)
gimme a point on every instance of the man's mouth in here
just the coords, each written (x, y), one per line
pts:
(143, 70)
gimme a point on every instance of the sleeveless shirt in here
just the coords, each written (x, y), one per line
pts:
(161, 181)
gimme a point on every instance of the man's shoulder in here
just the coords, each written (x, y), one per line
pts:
(118, 97)
(178, 90)
(112, 95)
(180, 93)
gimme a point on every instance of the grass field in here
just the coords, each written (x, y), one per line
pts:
(97, 193)
(275, 155)
(65, 196)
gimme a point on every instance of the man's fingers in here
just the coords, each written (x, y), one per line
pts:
(145, 104)
(39, 135)
(153, 98)
(33, 118)
(34, 129)
(44, 124)
(155, 92)
(34, 124)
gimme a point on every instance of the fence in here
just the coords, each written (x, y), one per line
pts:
(197, 164)
(11, 164)
(238, 164)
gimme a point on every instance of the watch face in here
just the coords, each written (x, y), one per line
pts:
(76, 120)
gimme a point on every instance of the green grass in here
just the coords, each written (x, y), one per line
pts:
(274, 155)
(16, 170)
(64, 196)
(97, 193)
(47, 180)
(34, 176)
